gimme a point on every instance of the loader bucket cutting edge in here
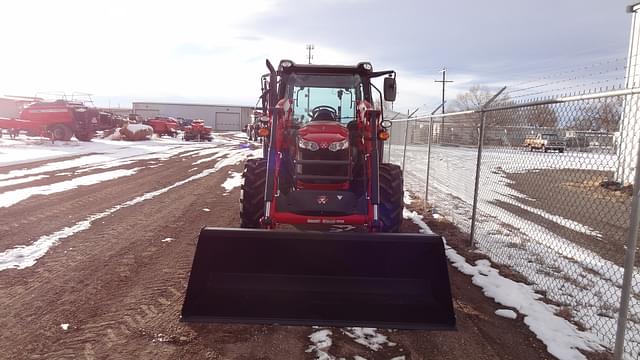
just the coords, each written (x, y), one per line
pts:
(379, 280)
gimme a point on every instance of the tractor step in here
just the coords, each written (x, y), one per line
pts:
(314, 278)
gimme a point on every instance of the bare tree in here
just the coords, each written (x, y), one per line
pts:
(475, 98)
(538, 116)
(478, 96)
(600, 115)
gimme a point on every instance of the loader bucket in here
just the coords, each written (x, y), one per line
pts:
(312, 278)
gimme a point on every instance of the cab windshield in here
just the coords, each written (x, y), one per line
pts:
(340, 92)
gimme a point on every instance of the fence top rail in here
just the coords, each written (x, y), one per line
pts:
(558, 100)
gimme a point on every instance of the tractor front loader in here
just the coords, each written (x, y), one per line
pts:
(322, 168)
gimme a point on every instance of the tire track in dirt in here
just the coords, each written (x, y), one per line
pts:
(116, 284)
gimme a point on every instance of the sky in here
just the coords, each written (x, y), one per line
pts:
(214, 51)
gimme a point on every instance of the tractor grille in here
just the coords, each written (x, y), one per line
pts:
(323, 166)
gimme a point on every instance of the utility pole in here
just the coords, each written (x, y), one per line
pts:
(444, 82)
(309, 48)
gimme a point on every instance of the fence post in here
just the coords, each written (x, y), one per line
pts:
(476, 188)
(406, 135)
(426, 188)
(629, 260)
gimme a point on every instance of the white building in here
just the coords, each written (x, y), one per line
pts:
(11, 106)
(629, 131)
(220, 117)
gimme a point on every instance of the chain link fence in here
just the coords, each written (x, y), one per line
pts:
(553, 200)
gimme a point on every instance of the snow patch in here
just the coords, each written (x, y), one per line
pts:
(206, 209)
(417, 219)
(562, 338)
(167, 239)
(407, 198)
(509, 314)
(368, 337)
(13, 197)
(321, 340)
(22, 181)
(233, 181)
(64, 327)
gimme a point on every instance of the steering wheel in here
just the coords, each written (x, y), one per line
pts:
(326, 109)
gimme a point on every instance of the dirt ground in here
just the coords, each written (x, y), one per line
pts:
(120, 287)
(576, 195)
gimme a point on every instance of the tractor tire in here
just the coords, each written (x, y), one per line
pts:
(61, 132)
(85, 135)
(391, 197)
(252, 193)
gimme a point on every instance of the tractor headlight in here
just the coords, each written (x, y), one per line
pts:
(339, 145)
(309, 145)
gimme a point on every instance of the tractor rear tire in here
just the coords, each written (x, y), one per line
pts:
(391, 197)
(252, 193)
(85, 135)
(61, 132)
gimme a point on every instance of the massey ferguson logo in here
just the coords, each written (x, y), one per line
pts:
(322, 199)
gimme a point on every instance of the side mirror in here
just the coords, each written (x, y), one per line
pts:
(389, 89)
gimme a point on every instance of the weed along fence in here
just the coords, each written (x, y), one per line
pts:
(560, 211)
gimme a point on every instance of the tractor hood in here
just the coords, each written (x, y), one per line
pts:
(323, 132)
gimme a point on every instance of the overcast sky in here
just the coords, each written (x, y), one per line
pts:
(214, 51)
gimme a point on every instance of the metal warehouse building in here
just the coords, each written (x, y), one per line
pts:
(220, 117)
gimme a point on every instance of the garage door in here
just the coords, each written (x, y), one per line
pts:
(227, 121)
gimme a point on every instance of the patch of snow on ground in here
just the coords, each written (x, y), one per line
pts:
(368, 337)
(22, 180)
(64, 327)
(13, 197)
(407, 198)
(562, 338)
(206, 209)
(167, 239)
(210, 158)
(233, 181)
(417, 219)
(509, 314)
(321, 340)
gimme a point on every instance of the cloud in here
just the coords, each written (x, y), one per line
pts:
(216, 50)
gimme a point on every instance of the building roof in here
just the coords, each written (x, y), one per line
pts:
(189, 104)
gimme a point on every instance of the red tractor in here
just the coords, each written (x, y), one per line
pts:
(163, 125)
(322, 168)
(60, 120)
(197, 131)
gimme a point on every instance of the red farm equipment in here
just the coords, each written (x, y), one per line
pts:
(323, 167)
(163, 125)
(60, 120)
(197, 131)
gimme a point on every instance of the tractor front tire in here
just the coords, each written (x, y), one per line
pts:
(252, 193)
(391, 197)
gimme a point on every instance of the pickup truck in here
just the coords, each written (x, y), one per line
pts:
(545, 142)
